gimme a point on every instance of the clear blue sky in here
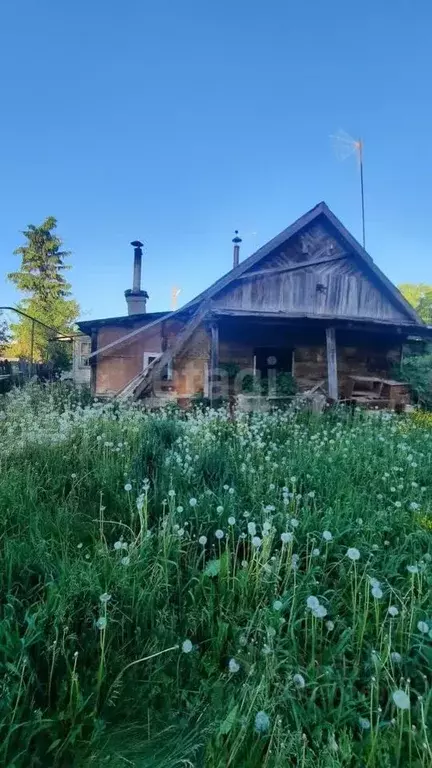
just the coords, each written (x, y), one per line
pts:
(177, 122)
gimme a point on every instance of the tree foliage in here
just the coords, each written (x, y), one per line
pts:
(419, 296)
(47, 292)
(4, 333)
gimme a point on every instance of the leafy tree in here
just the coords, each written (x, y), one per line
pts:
(419, 296)
(41, 278)
(4, 333)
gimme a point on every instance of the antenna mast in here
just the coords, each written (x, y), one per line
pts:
(345, 146)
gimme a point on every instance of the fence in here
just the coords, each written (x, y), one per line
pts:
(43, 351)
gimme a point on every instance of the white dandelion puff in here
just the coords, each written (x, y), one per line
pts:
(252, 529)
(187, 646)
(312, 602)
(101, 623)
(256, 541)
(128, 487)
(327, 536)
(377, 593)
(353, 553)
(277, 605)
(329, 626)
(202, 540)
(319, 612)
(192, 502)
(401, 699)
(393, 611)
(299, 681)
(412, 568)
(396, 657)
(423, 627)
(286, 537)
(125, 560)
(105, 598)
(364, 723)
(231, 521)
(233, 666)
(262, 722)
(219, 534)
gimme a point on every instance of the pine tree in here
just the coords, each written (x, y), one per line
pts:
(47, 292)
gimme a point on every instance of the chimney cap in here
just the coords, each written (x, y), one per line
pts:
(236, 240)
(137, 244)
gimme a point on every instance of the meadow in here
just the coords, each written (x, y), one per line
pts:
(185, 589)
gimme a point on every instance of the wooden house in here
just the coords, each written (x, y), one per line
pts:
(310, 303)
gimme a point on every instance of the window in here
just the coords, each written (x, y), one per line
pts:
(84, 352)
(148, 358)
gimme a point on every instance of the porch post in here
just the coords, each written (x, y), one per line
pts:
(214, 359)
(332, 364)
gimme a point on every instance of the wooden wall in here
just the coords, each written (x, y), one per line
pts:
(313, 275)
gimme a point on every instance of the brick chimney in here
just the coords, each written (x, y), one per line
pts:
(136, 298)
(236, 255)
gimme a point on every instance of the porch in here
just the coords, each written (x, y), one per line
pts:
(329, 354)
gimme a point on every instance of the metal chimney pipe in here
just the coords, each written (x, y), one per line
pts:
(137, 246)
(236, 255)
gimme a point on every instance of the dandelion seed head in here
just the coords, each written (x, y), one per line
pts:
(231, 520)
(233, 666)
(393, 611)
(262, 722)
(312, 602)
(219, 534)
(286, 537)
(277, 605)
(101, 623)
(128, 487)
(193, 502)
(105, 598)
(377, 593)
(320, 612)
(187, 646)
(125, 560)
(219, 510)
(423, 627)
(396, 657)
(353, 553)
(364, 723)
(401, 699)
(299, 680)
(202, 540)
(327, 536)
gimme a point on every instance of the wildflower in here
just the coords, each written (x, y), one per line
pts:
(80, 545)
(377, 593)
(180, 532)
(374, 582)
(231, 491)
(286, 537)
(299, 681)
(219, 510)
(295, 561)
(396, 657)
(233, 666)
(319, 612)
(242, 640)
(266, 527)
(171, 493)
(219, 534)
(294, 522)
(412, 568)
(312, 602)
(231, 520)
(364, 723)
(262, 722)
(105, 598)
(256, 541)
(393, 611)
(117, 545)
(203, 540)
(375, 547)
(353, 553)
(401, 699)
(125, 560)
(244, 563)
(315, 552)
(266, 649)
(327, 536)
(187, 646)
(128, 487)
(423, 627)
(413, 505)
(101, 623)
(329, 626)
(179, 510)
(226, 487)
(193, 502)
(252, 529)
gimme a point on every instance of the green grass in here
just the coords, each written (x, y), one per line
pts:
(108, 501)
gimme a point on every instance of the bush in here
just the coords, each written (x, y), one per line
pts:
(417, 371)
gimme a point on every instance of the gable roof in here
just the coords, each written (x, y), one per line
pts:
(320, 210)
(126, 321)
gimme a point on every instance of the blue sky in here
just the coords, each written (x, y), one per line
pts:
(178, 122)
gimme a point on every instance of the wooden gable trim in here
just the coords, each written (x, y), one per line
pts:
(298, 267)
(320, 210)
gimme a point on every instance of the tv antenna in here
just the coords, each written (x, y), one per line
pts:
(345, 146)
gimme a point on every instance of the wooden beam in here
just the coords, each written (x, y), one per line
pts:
(332, 363)
(166, 357)
(214, 360)
(287, 268)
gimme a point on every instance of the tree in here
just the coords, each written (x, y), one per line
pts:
(4, 333)
(419, 296)
(47, 292)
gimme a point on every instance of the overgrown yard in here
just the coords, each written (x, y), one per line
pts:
(194, 591)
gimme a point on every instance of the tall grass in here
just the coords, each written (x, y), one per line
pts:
(190, 590)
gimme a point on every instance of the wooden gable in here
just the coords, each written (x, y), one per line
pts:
(314, 272)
